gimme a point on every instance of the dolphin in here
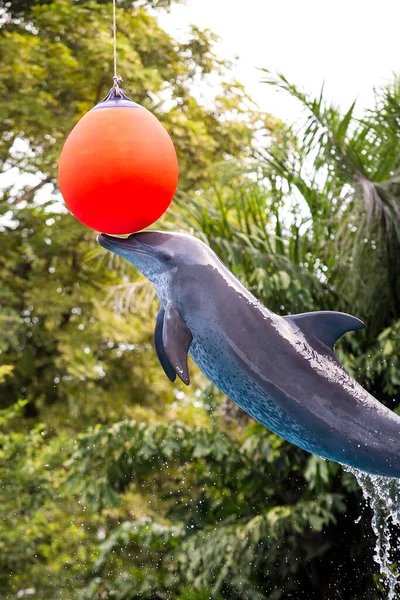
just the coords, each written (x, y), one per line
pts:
(282, 370)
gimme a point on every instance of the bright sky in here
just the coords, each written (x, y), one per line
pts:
(352, 45)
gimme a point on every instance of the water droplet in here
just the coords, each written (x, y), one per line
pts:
(383, 496)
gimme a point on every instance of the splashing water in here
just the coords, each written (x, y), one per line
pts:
(383, 496)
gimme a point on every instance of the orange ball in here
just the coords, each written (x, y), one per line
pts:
(118, 170)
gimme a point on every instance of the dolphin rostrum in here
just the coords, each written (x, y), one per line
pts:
(281, 370)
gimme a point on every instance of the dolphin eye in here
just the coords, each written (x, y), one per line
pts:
(166, 257)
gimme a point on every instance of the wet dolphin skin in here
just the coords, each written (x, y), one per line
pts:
(281, 370)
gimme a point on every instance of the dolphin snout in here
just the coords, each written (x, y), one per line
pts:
(114, 243)
(144, 240)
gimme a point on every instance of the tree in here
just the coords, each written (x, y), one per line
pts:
(18, 8)
(58, 63)
(324, 223)
(167, 494)
(63, 347)
(351, 189)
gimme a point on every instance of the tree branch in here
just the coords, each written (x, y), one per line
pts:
(30, 193)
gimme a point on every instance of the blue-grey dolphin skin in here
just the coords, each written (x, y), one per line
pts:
(281, 370)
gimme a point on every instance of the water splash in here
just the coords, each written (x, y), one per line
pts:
(383, 496)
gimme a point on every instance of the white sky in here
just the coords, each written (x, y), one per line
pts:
(352, 45)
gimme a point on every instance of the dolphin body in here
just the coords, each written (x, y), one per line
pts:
(281, 370)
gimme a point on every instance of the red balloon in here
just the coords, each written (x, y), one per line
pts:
(118, 170)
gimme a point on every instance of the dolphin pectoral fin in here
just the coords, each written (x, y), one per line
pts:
(326, 326)
(158, 342)
(176, 338)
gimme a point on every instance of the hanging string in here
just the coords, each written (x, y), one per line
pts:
(116, 78)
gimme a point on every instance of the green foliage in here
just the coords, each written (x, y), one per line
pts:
(199, 522)
(18, 8)
(66, 347)
(114, 483)
(320, 226)
(60, 333)
(58, 63)
(40, 530)
(345, 170)
(382, 361)
(215, 529)
(248, 228)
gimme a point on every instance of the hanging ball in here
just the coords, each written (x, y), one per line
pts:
(118, 170)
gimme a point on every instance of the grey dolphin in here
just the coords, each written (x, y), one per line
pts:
(281, 370)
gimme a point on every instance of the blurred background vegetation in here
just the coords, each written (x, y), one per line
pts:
(114, 482)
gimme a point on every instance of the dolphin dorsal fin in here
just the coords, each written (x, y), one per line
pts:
(326, 326)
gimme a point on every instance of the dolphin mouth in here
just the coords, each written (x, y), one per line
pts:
(107, 241)
(114, 243)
